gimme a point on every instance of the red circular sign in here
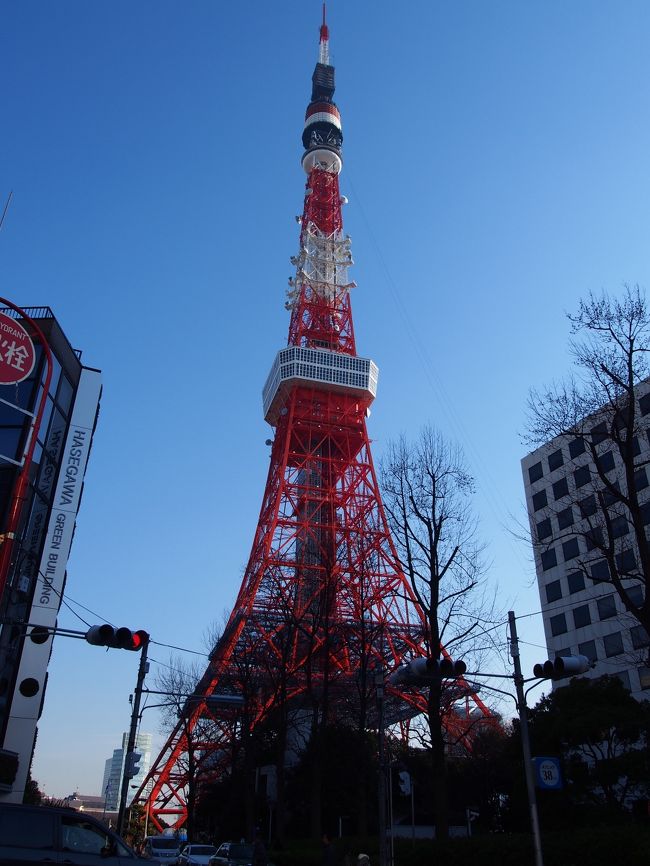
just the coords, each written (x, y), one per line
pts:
(17, 353)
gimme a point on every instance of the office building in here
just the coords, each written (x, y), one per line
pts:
(583, 532)
(48, 409)
(114, 769)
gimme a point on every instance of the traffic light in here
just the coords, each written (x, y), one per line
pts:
(118, 638)
(562, 666)
(445, 667)
(419, 670)
(131, 767)
(404, 782)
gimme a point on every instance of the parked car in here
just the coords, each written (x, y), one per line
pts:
(233, 854)
(195, 855)
(37, 834)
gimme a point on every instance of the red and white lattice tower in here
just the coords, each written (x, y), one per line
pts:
(323, 601)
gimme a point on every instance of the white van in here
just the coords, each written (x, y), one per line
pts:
(164, 849)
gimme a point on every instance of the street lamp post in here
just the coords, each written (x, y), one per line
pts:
(381, 786)
(525, 738)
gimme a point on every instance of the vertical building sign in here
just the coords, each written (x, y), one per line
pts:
(50, 577)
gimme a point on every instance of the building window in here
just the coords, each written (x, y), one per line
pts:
(600, 571)
(570, 549)
(581, 616)
(636, 448)
(626, 562)
(565, 518)
(558, 624)
(606, 607)
(587, 506)
(555, 460)
(624, 677)
(535, 472)
(640, 479)
(639, 635)
(544, 529)
(577, 446)
(576, 581)
(599, 433)
(553, 591)
(613, 644)
(644, 677)
(549, 559)
(560, 488)
(605, 462)
(610, 496)
(539, 500)
(644, 404)
(635, 594)
(594, 537)
(588, 648)
(582, 476)
(645, 513)
(620, 526)
(563, 653)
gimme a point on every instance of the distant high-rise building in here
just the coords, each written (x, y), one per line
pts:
(114, 769)
(48, 409)
(577, 488)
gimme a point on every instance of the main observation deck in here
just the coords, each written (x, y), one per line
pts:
(333, 371)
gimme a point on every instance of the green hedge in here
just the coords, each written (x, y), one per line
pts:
(601, 846)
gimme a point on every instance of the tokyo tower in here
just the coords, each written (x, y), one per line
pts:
(323, 603)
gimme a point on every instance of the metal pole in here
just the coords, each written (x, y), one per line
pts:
(137, 694)
(525, 739)
(381, 786)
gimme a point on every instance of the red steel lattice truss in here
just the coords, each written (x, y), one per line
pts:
(323, 599)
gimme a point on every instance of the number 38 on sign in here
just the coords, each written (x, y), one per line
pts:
(547, 773)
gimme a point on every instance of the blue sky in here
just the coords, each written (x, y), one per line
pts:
(495, 159)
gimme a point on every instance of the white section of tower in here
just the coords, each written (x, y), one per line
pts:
(322, 264)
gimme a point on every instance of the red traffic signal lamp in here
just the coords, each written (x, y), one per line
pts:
(117, 638)
(562, 666)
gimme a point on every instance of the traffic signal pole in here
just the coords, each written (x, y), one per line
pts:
(135, 712)
(525, 738)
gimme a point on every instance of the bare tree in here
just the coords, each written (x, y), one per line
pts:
(596, 419)
(427, 492)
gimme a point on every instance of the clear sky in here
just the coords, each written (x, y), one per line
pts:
(496, 164)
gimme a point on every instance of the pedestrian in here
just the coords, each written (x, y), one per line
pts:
(328, 857)
(363, 860)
